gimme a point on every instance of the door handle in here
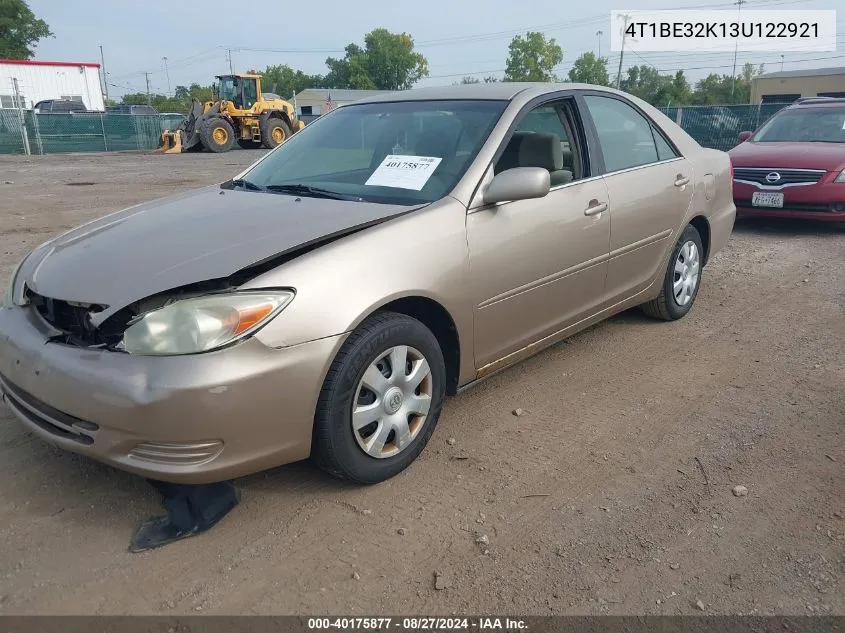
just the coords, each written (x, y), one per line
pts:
(681, 180)
(595, 208)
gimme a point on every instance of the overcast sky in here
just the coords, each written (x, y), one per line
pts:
(459, 37)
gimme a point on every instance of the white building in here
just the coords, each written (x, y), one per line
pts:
(37, 80)
(313, 102)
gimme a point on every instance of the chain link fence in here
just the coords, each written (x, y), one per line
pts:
(80, 131)
(719, 126)
(712, 126)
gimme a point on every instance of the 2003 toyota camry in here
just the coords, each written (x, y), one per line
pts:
(325, 301)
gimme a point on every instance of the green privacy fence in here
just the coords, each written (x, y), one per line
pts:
(712, 126)
(719, 126)
(80, 132)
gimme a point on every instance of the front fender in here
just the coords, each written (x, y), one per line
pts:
(421, 254)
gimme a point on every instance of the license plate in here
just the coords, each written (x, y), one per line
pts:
(765, 199)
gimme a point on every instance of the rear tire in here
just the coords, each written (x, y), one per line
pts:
(681, 280)
(274, 132)
(217, 135)
(388, 431)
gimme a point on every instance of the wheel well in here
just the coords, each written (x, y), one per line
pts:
(435, 317)
(703, 227)
(278, 114)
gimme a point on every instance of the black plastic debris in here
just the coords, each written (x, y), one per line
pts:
(191, 510)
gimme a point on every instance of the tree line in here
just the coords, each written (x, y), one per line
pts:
(389, 61)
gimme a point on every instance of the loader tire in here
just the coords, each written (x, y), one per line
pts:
(274, 132)
(217, 135)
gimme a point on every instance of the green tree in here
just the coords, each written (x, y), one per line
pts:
(286, 82)
(187, 94)
(589, 69)
(532, 58)
(162, 103)
(644, 82)
(648, 84)
(470, 80)
(20, 30)
(726, 89)
(387, 61)
(181, 101)
(679, 90)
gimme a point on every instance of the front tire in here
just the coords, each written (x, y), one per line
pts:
(217, 135)
(274, 132)
(682, 279)
(381, 400)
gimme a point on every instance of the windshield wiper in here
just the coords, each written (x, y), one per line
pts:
(315, 192)
(246, 184)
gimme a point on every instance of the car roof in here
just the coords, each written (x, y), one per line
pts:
(498, 91)
(520, 94)
(815, 102)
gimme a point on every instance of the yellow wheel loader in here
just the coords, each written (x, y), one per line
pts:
(242, 114)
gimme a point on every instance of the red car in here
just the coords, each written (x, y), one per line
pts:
(794, 165)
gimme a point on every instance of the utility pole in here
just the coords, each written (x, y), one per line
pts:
(739, 4)
(21, 119)
(781, 63)
(149, 98)
(599, 34)
(167, 72)
(625, 18)
(105, 76)
(229, 55)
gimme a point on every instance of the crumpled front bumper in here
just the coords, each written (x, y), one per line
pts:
(187, 419)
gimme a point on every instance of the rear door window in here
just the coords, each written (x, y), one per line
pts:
(625, 135)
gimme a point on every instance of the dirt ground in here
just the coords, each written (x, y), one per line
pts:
(612, 494)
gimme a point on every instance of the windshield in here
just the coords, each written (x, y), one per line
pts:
(820, 125)
(228, 88)
(406, 152)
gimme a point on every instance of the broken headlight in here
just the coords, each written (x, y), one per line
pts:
(201, 324)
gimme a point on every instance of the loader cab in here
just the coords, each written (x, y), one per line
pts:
(241, 90)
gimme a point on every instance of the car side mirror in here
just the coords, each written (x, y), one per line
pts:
(744, 136)
(519, 183)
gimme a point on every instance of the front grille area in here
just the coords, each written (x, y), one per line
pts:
(766, 176)
(47, 418)
(74, 321)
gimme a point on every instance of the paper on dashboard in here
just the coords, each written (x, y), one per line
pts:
(404, 172)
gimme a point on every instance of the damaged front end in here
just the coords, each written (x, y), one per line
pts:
(96, 326)
(82, 324)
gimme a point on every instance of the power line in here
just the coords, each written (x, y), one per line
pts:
(208, 54)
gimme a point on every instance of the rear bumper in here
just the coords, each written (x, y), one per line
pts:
(188, 419)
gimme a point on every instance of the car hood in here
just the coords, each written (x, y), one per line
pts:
(205, 234)
(827, 156)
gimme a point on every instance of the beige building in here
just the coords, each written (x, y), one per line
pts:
(787, 86)
(313, 102)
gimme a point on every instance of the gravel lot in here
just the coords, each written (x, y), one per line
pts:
(612, 494)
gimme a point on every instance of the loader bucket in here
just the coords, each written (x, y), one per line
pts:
(171, 142)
